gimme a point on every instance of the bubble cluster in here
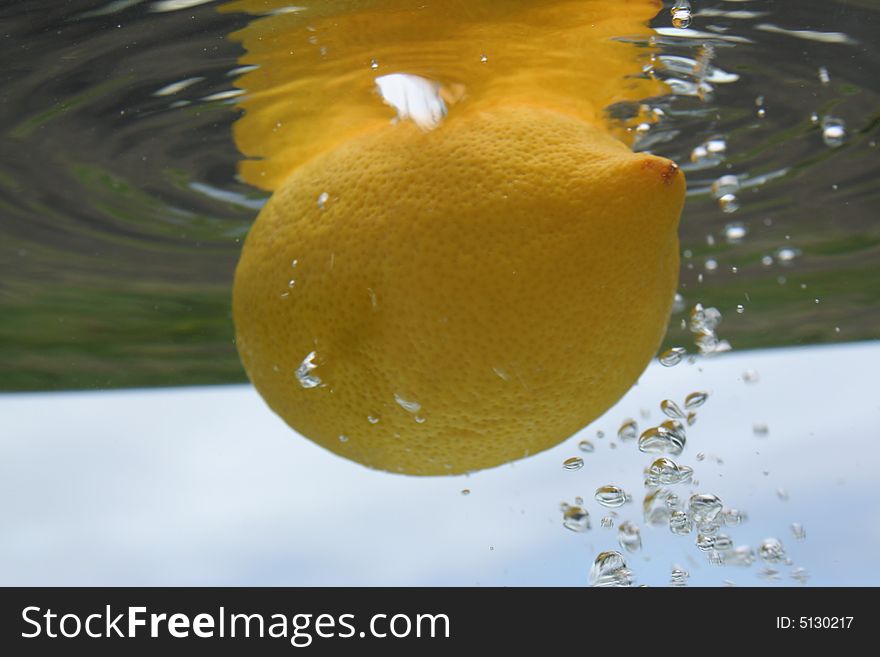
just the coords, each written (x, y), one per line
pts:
(702, 324)
(665, 472)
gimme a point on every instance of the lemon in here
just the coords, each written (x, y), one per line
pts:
(441, 302)
(437, 302)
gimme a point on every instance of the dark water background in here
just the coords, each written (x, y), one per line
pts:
(121, 217)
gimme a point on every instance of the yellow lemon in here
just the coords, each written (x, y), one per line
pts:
(437, 302)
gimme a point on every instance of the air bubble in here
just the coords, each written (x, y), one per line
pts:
(666, 472)
(733, 517)
(671, 409)
(322, 200)
(573, 463)
(668, 438)
(610, 496)
(771, 550)
(716, 146)
(800, 575)
(704, 510)
(655, 507)
(735, 232)
(695, 400)
(723, 543)
(699, 154)
(629, 430)
(681, 14)
(677, 303)
(705, 542)
(629, 537)
(586, 446)
(710, 152)
(304, 372)
(833, 131)
(407, 405)
(704, 319)
(672, 357)
(575, 518)
(727, 184)
(680, 524)
(609, 569)
(787, 254)
(742, 555)
(679, 577)
(728, 203)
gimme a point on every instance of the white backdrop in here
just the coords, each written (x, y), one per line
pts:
(206, 486)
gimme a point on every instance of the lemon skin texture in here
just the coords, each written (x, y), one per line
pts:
(472, 295)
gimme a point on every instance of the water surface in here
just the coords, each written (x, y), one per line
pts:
(122, 212)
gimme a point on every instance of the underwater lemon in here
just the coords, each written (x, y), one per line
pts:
(446, 301)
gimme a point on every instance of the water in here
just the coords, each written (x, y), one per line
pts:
(123, 213)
